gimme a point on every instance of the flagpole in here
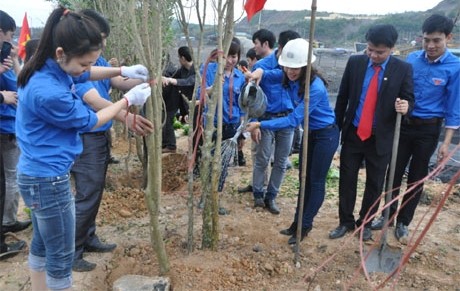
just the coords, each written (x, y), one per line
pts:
(305, 134)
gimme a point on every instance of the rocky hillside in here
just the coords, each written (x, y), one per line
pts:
(345, 29)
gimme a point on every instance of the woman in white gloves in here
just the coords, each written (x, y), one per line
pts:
(49, 119)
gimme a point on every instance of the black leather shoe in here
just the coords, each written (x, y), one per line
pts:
(259, 202)
(340, 231)
(80, 265)
(303, 234)
(241, 159)
(377, 224)
(113, 161)
(99, 247)
(10, 250)
(271, 206)
(17, 226)
(289, 231)
(248, 188)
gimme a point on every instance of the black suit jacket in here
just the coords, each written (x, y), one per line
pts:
(397, 82)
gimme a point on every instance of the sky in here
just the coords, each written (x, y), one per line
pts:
(38, 10)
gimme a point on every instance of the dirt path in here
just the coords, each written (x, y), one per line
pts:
(252, 254)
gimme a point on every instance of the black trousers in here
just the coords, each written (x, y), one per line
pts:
(417, 144)
(89, 173)
(353, 152)
(169, 137)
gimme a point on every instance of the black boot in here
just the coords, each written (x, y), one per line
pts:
(291, 230)
(241, 159)
(303, 234)
(270, 204)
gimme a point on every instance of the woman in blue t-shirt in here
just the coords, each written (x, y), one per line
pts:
(323, 134)
(49, 118)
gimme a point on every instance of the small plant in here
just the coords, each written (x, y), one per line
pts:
(176, 124)
(186, 129)
(295, 162)
(28, 212)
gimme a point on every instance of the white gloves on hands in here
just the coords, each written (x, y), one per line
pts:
(138, 94)
(135, 72)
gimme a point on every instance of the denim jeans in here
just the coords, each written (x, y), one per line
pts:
(10, 154)
(53, 218)
(322, 145)
(283, 143)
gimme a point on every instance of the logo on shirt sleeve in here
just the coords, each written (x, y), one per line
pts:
(438, 81)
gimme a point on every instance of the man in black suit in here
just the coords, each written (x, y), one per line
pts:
(368, 126)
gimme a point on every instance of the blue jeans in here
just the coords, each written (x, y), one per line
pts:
(283, 143)
(10, 154)
(322, 145)
(53, 218)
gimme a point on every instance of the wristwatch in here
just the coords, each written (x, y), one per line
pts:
(2, 98)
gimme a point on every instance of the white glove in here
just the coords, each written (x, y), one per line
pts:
(135, 72)
(138, 94)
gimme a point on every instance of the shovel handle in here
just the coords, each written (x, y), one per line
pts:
(391, 174)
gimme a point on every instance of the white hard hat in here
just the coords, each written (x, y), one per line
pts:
(295, 54)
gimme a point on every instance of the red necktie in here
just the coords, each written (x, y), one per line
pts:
(367, 115)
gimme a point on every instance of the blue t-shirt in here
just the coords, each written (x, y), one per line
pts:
(238, 82)
(273, 90)
(8, 111)
(103, 88)
(436, 87)
(320, 113)
(49, 117)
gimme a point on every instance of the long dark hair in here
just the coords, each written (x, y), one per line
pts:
(75, 33)
(302, 77)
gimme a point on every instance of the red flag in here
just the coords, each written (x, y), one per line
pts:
(23, 37)
(253, 6)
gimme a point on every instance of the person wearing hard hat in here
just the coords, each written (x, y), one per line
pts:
(281, 139)
(323, 134)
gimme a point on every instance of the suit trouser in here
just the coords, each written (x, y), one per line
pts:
(89, 173)
(417, 144)
(169, 136)
(353, 152)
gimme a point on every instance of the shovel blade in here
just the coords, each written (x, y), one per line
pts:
(384, 259)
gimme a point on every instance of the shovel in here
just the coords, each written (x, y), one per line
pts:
(386, 258)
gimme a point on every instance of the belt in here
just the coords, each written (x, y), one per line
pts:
(97, 133)
(420, 121)
(268, 115)
(330, 126)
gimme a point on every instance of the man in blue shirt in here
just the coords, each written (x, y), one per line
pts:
(437, 99)
(90, 167)
(277, 107)
(8, 145)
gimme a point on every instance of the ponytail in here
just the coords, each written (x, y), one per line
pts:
(76, 34)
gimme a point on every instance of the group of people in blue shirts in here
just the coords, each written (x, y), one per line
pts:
(64, 110)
